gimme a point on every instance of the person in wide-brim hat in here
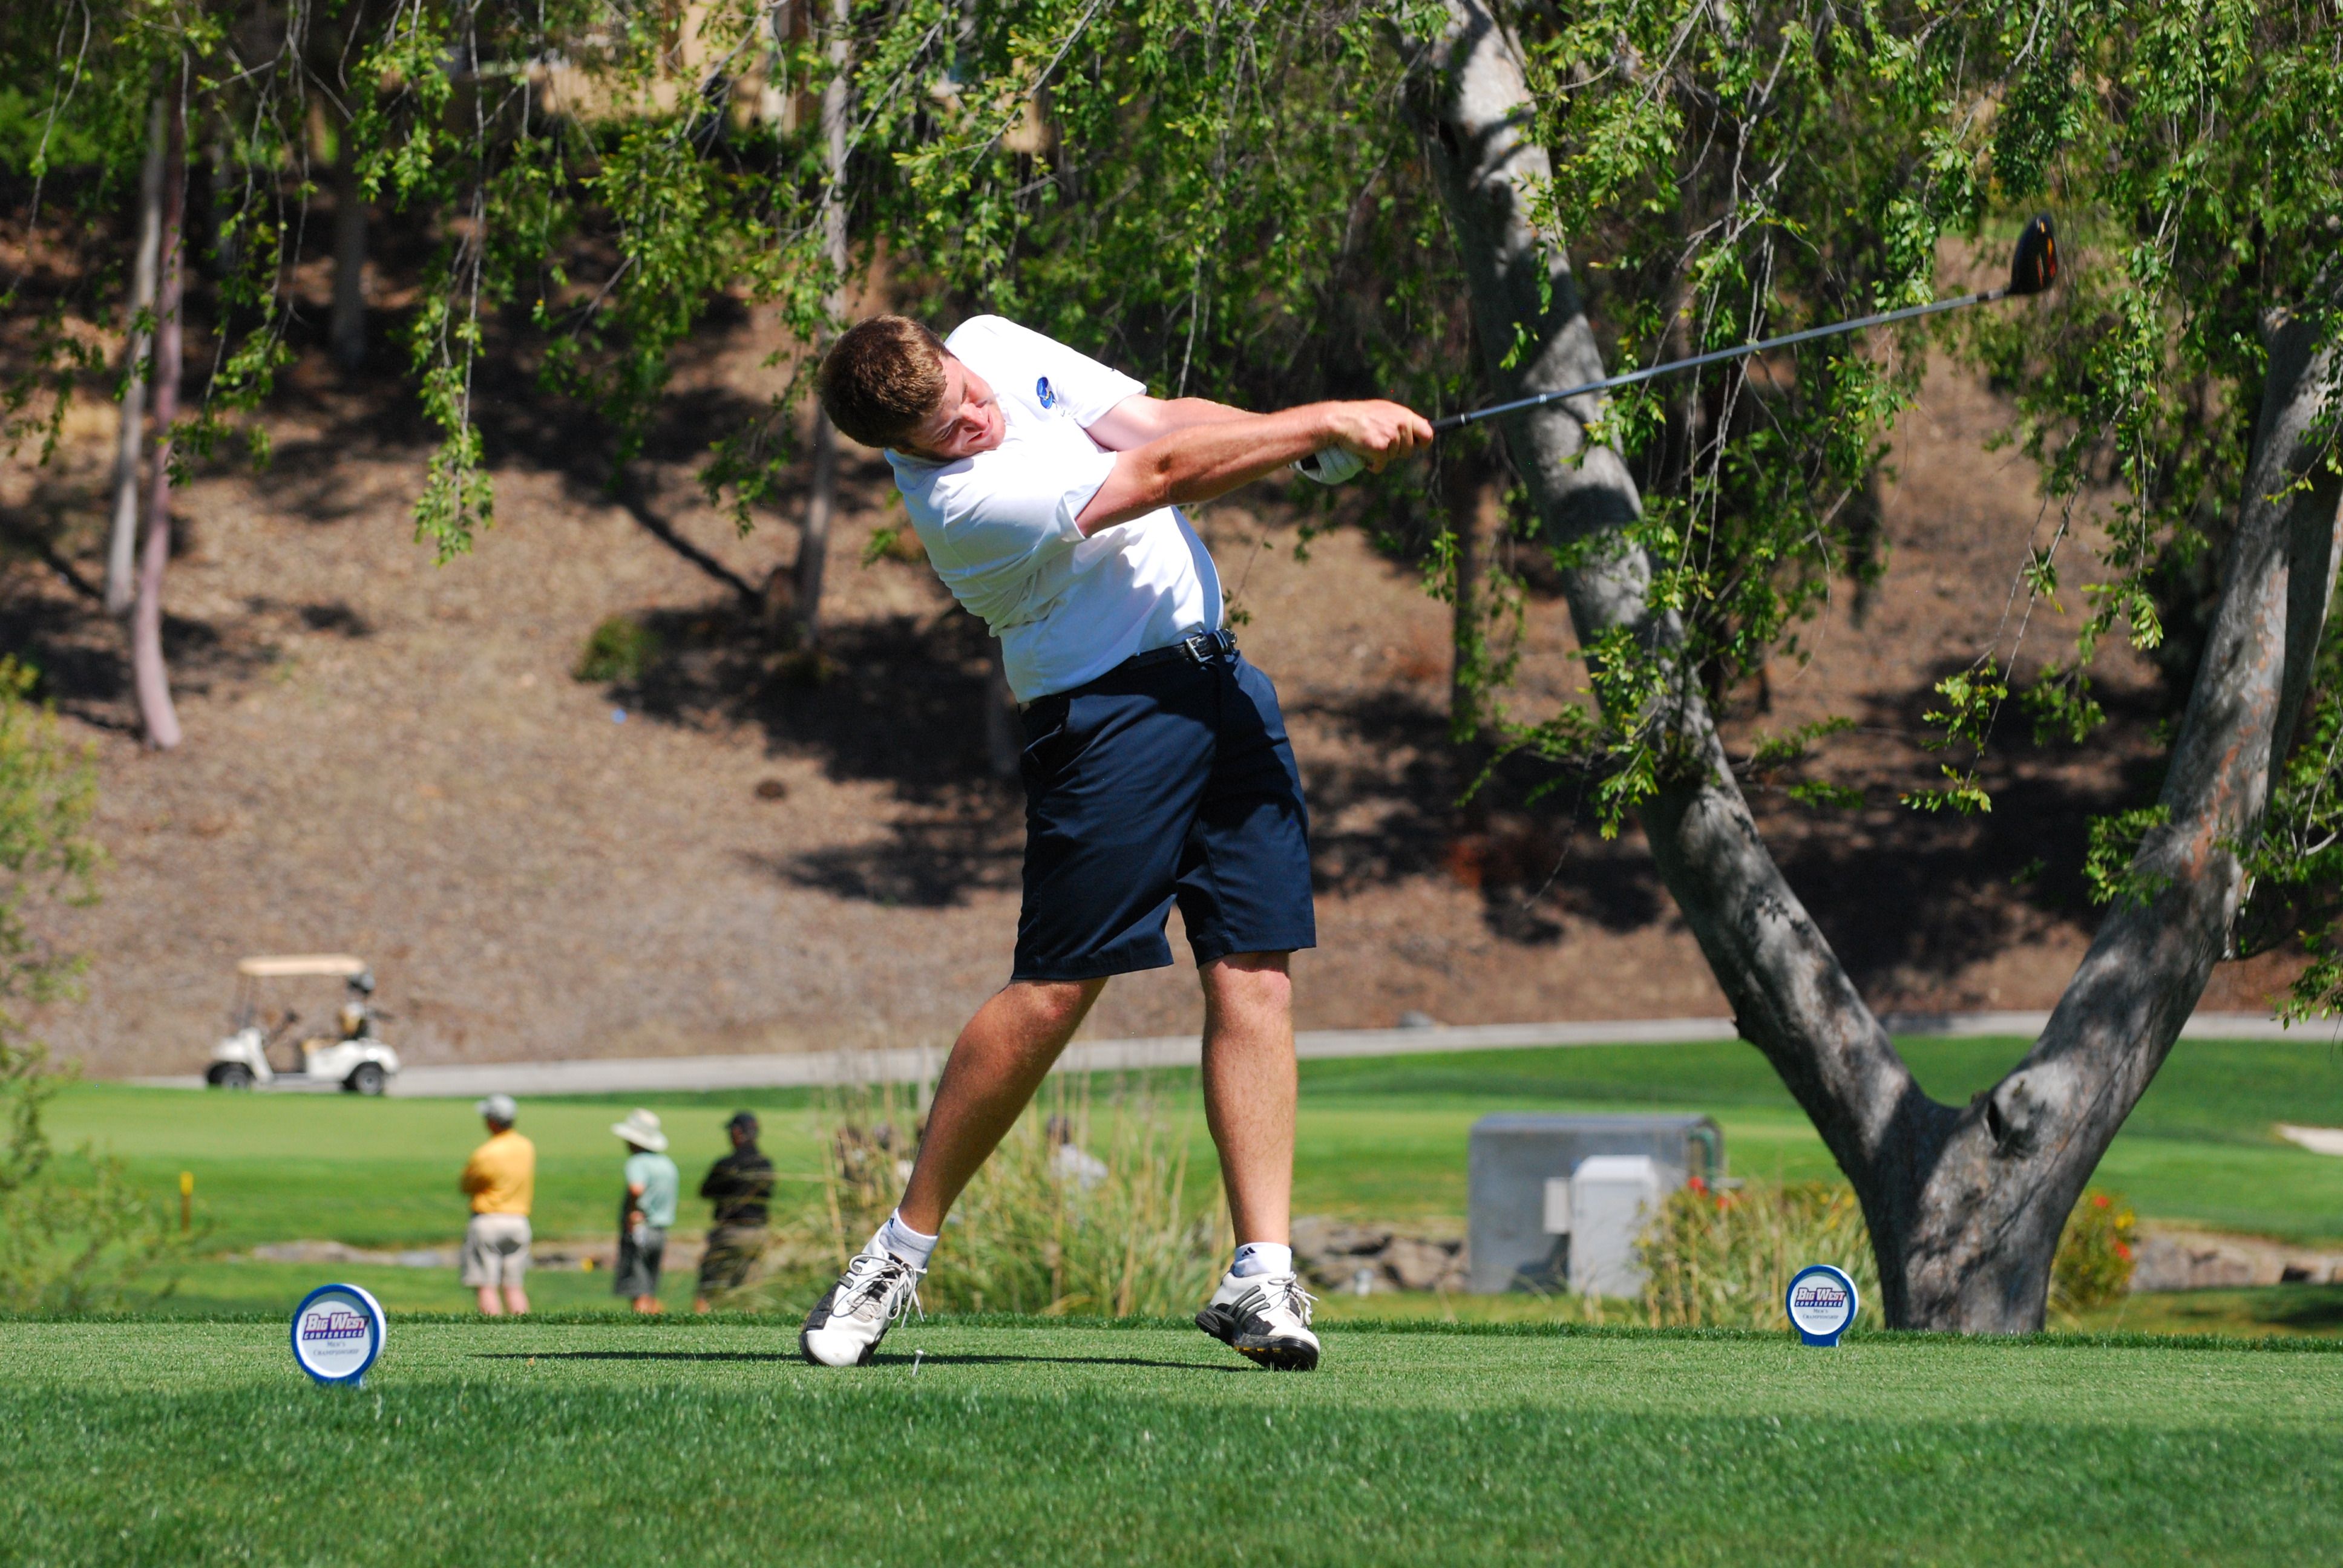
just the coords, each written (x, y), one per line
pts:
(641, 1129)
(646, 1210)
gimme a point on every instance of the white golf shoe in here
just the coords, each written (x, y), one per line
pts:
(1264, 1318)
(846, 1325)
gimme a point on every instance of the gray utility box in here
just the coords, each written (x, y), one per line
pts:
(1524, 1212)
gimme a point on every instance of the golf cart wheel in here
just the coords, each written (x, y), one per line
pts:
(367, 1078)
(230, 1075)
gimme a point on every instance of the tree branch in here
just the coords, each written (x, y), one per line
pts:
(1790, 995)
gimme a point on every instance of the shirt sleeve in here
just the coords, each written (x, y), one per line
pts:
(1085, 388)
(1020, 513)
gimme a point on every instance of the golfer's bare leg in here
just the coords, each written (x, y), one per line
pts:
(489, 1306)
(1250, 1089)
(517, 1301)
(995, 1066)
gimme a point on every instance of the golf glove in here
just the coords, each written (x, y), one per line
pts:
(1331, 467)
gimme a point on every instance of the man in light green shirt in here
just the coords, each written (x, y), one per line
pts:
(646, 1210)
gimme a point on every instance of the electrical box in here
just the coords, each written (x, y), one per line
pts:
(1526, 1208)
(1612, 1198)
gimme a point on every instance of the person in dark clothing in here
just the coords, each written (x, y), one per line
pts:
(740, 1185)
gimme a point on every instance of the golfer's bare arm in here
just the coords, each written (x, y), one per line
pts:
(1189, 450)
(1135, 421)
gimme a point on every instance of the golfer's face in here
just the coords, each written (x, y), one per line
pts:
(968, 420)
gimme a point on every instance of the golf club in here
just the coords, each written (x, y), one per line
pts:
(2032, 269)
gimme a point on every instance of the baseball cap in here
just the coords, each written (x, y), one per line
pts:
(742, 1121)
(498, 1108)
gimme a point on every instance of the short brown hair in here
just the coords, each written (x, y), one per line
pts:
(882, 378)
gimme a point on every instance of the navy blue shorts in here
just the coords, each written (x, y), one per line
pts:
(1172, 781)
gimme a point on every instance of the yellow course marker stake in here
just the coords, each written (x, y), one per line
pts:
(186, 1201)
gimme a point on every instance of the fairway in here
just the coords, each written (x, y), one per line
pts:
(1033, 1442)
(1378, 1139)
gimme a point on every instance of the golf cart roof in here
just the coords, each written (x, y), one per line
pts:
(340, 966)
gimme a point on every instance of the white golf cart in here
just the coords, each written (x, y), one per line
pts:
(351, 1059)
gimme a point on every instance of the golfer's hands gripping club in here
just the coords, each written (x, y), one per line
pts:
(1368, 435)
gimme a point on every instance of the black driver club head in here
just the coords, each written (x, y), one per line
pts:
(2036, 266)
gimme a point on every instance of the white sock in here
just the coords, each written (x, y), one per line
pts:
(904, 1243)
(1262, 1258)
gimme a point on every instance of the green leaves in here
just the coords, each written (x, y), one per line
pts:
(1969, 703)
(2294, 871)
(2110, 866)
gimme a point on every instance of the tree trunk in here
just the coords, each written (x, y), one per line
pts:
(1976, 1251)
(822, 499)
(1469, 497)
(1965, 1206)
(122, 547)
(149, 676)
(345, 333)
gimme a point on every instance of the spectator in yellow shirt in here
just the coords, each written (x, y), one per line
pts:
(501, 1179)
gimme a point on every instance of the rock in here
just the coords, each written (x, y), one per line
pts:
(1317, 1236)
(1348, 1257)
(1416, 1265)
(2207, 1260)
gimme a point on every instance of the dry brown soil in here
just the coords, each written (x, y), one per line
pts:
(393, 757)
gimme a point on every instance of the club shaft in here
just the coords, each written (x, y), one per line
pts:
(1458, 421)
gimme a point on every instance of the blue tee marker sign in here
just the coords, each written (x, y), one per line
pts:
(1822, 1304)
(338, 1333)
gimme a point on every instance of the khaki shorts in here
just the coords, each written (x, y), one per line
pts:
(495, 1250)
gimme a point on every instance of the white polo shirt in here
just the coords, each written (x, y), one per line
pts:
(1000, 525)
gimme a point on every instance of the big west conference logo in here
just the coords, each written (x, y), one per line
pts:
(337, 1332)
(1045, 394)
(1821, 1298)
(1822, 1304)
(333, 1324)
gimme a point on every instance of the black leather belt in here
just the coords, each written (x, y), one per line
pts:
(1199, 649)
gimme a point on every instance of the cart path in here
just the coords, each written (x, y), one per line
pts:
(907, 1064)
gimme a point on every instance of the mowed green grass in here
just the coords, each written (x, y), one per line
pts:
(1379, 1138)
(212, 1287)
(1035, 1442)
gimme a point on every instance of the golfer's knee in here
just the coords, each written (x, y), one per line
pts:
(1250, 982)
(1054, 1005)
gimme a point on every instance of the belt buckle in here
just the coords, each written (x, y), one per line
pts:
(1200, 646)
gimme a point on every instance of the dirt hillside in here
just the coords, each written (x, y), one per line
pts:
(393, 757)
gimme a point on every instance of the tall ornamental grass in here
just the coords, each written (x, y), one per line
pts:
(1085, 1209)
(1722, 1257)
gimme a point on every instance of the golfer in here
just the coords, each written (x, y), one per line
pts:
(1046, 490)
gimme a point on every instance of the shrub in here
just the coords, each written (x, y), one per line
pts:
(75, 1245)
(1110, 1230)
(2095, 1258)
(1723, 1258)
(70, 1246)
(621, 648)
